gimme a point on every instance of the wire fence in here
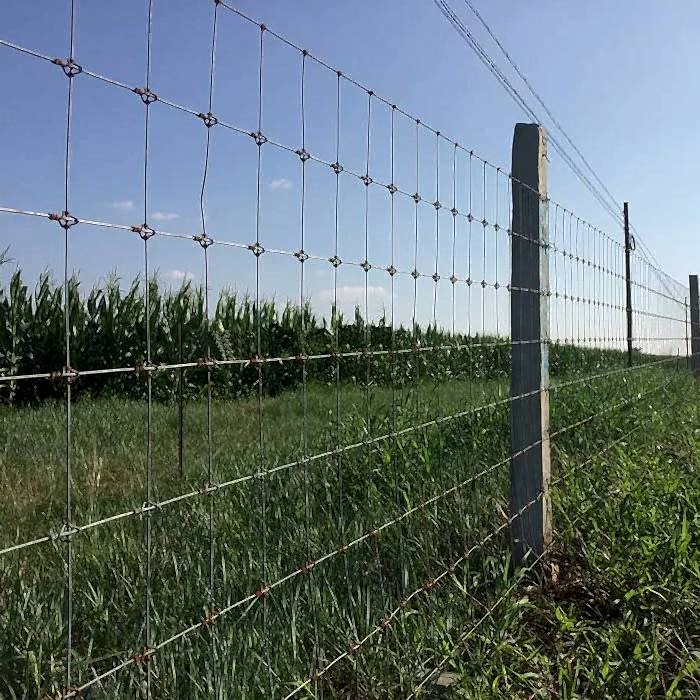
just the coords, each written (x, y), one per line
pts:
(214, 493)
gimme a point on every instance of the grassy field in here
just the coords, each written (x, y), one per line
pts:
(618, 619)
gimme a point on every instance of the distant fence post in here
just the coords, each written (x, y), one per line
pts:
(694, 326)
(629, 247)
(530, 504)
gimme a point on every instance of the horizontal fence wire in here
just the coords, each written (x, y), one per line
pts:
(233, 495)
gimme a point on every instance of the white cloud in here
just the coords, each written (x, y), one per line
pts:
(281, 183)
(179, 275)
(353, 295)
(164, 216)
(124, 205)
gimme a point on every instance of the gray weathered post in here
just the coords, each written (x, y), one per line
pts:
(694, 326)
(530, 503)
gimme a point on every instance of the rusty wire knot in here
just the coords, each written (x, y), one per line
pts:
(69, 66)
(209, 619)
(146, 94)
(143, 655)
(67, 373)
(207, 487)
(144, 230)
(65, 219)
(387, 621)
(307, 566)
(142, 368)
(353, 648)
(262, 591)
(429, 585)
(337, 168)
(209, 119)
(203, 240)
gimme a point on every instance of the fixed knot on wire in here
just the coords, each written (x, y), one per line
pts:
(258, 137)
(337, 168)
(209, 619)
(68, 66)
(436, 277)
(391, 270)
(69, 692)
(367, 180)
(454, 211)
(393, 189)
(146, 94)
(143, 655)
(366, 266)
(303, 154)
(301, 256)
(65, 533)
(65, 219)
(144, 230)
(353, 647)
(141, 369)
(307, 566)
(437, 205)
(256, 249)
(416, 197)
(335, 261)
(454, 279)
(470, 218)
(262, 591)
(429, 585)
(209, 119)
(207, 487)
(67, 374)
(386, 622)
(415, 274)
(203, 240)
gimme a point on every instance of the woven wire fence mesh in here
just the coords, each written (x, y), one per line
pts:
(210, 491)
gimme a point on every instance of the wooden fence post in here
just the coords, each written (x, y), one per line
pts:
(530, 504)
(694, 326)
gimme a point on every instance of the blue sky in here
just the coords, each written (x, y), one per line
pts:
(617, 76)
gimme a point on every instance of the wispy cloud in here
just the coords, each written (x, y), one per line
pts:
(179, 275)
(124, 205)
(164, 216)
(281, 183)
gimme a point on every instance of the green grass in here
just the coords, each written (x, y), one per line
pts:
(613, 624)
